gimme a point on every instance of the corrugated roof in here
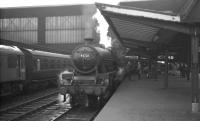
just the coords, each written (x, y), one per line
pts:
(134, 30)
(143, 30)
(173, 7)
(131, 33)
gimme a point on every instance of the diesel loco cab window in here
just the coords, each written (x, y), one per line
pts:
(12, 61)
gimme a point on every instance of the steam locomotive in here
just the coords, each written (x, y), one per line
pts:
(93, 77)
(24, 69)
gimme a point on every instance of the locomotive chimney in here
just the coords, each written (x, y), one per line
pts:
(89, 31)
(90, 24)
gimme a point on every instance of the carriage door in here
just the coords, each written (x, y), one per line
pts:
(21, 65)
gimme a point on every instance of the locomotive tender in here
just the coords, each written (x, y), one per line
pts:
(92, 79)
(25, 69)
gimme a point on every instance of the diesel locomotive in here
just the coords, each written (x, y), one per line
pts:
(24, 69)
(93, 77)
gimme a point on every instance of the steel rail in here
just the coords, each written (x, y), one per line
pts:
(26, 108)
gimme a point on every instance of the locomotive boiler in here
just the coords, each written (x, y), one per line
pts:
(92, 79)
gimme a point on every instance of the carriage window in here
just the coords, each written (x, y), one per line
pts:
(52, 65)
(12, 61)
(64, 64)
(34, 64)
(22, 62)
(44, 64)
(58, 64)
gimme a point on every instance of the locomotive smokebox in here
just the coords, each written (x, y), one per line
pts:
(85, 58)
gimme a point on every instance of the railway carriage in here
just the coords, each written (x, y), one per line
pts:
(12, 64)
(44, 65)
(26, 69)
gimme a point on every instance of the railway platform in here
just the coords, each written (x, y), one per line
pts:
(146, 100)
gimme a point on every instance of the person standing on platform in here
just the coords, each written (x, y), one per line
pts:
(187, 71)
(127, 69)
(146, 71)
(139, 70)
(181, 68)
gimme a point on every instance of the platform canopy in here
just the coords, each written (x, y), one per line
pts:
(152, 26)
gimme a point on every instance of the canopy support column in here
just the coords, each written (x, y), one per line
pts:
(166, 71)
(194, 70)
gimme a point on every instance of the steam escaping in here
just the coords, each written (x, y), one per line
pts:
(88, 22)
(95, 24)
(102, 29)
(89, 30)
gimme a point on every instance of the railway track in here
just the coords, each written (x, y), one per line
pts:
(20, 111)
(80, 114)
(47, 109)
(50, 113)
(64, 112)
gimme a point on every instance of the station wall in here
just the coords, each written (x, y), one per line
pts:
(19, 29)
(61, 25)
(58, 29)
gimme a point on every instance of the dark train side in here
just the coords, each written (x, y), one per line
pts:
(93, 77)
(26, 69)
